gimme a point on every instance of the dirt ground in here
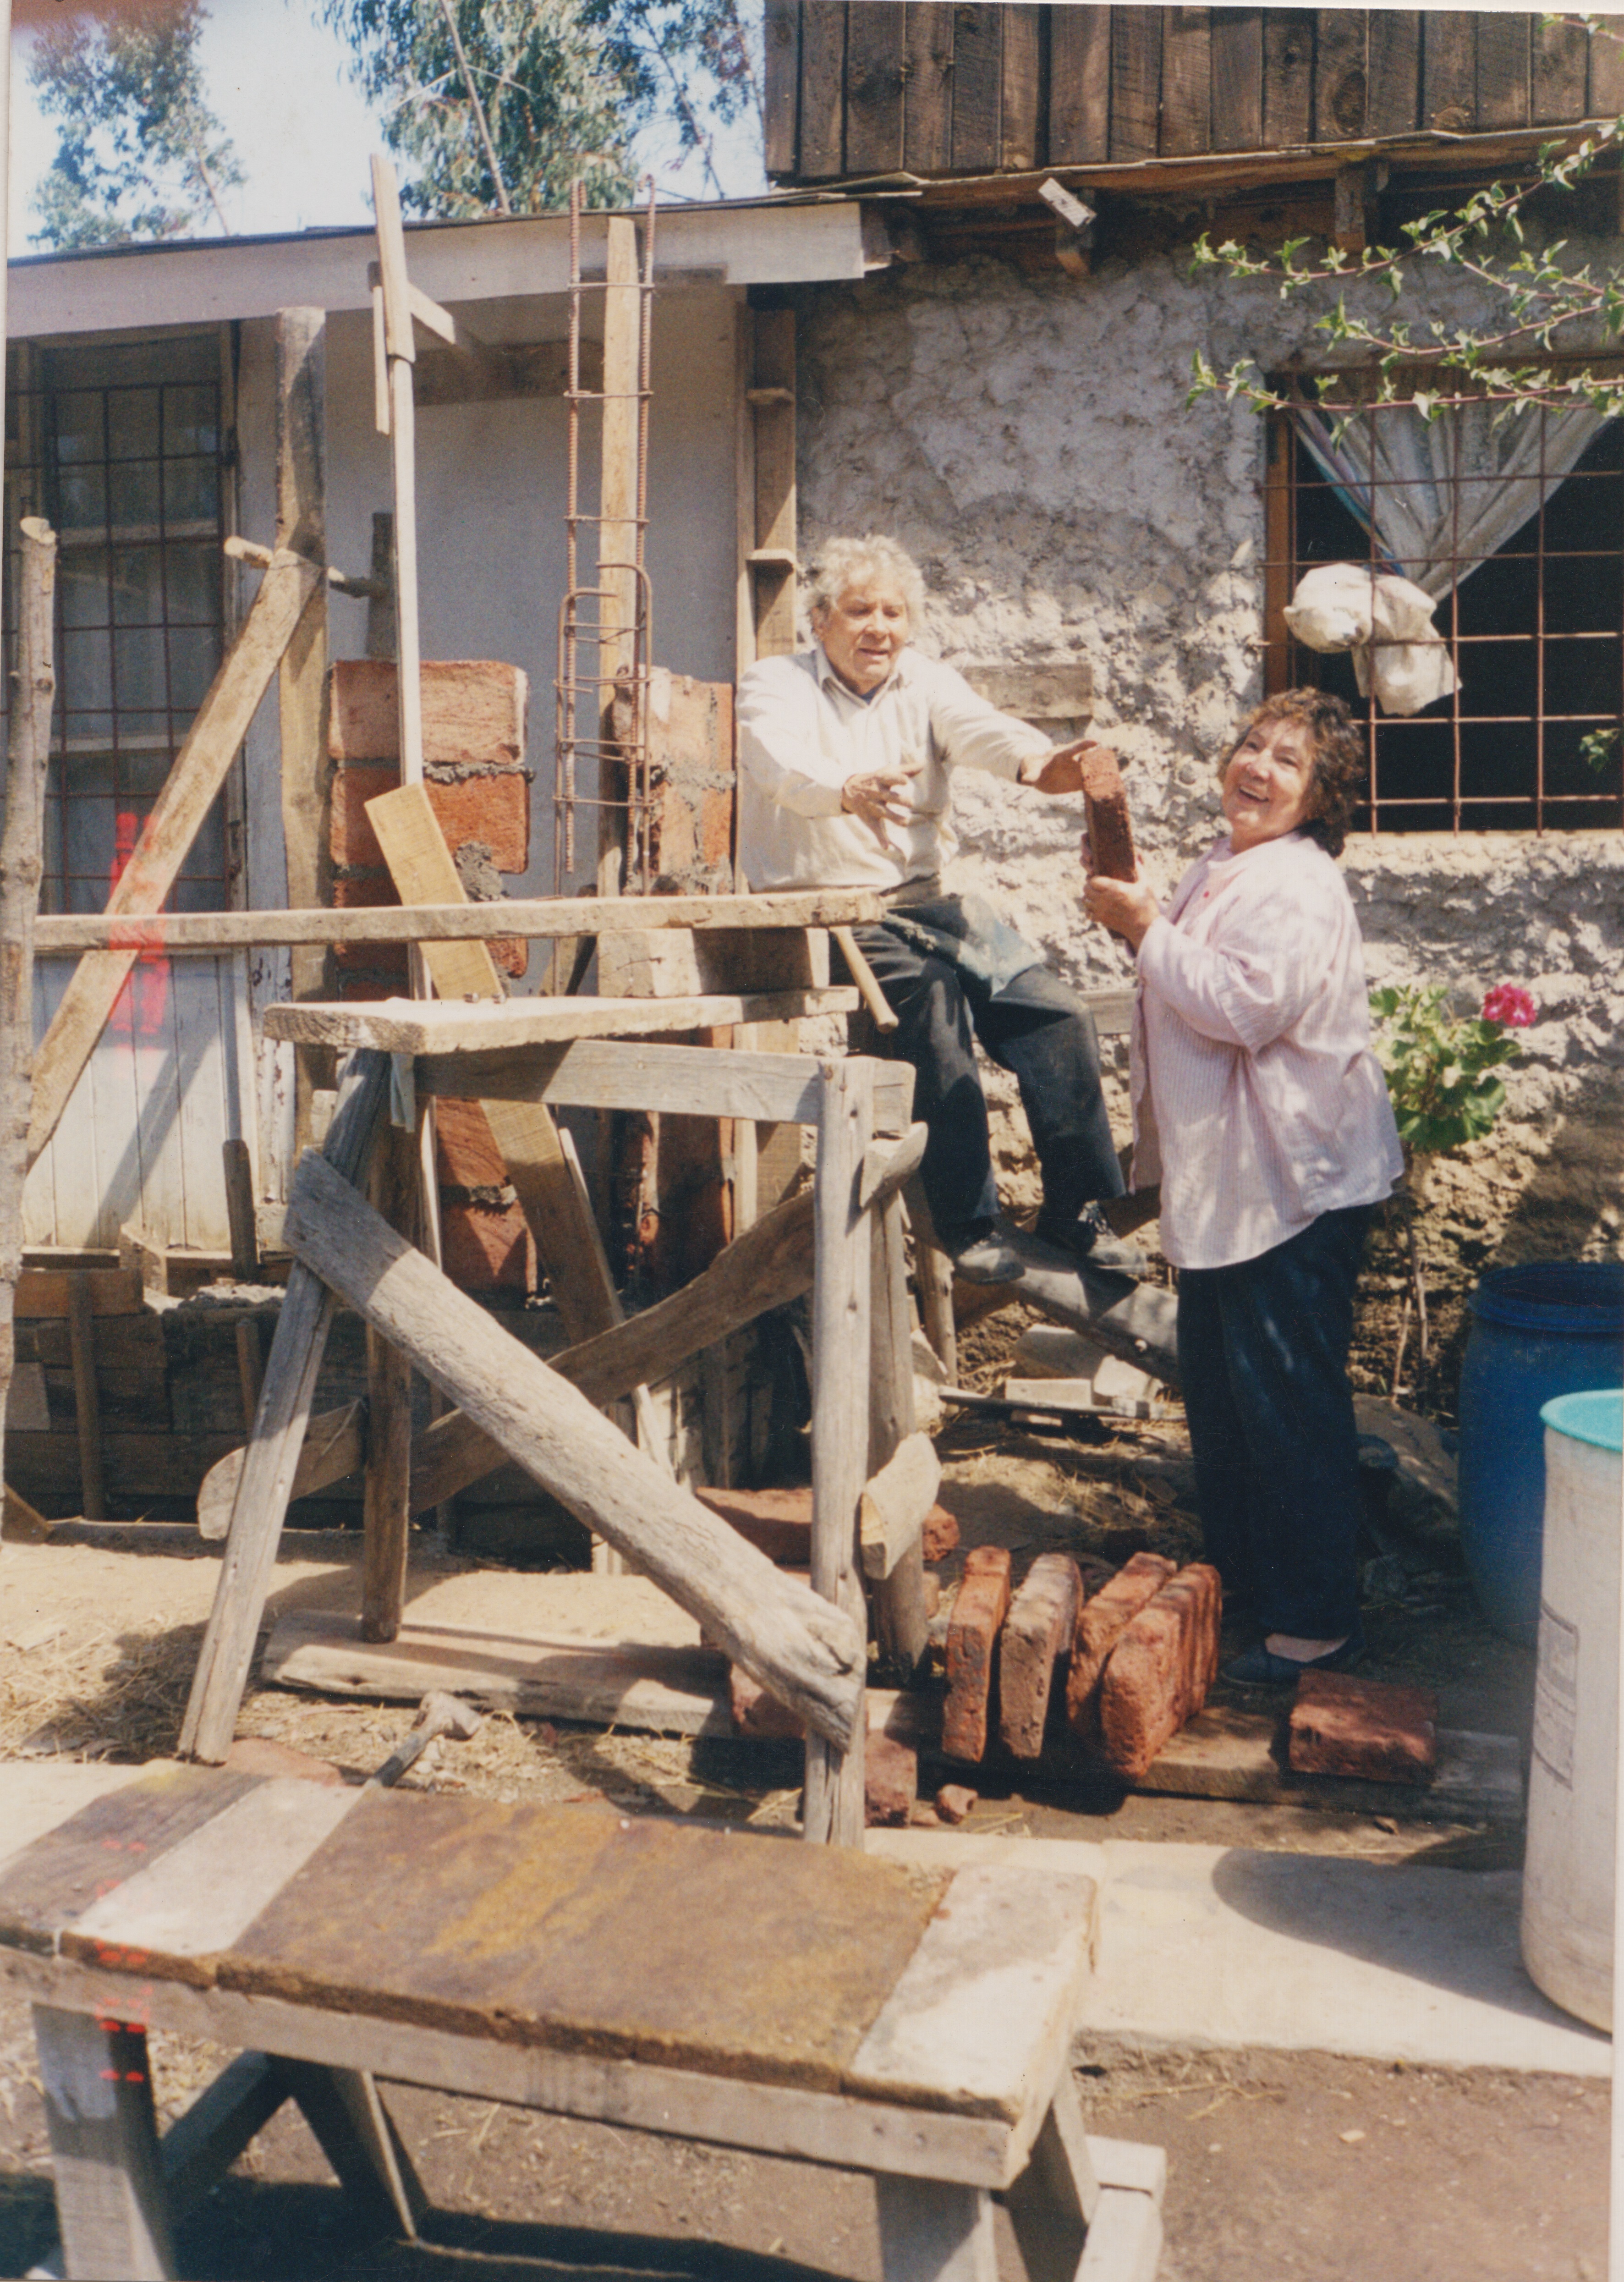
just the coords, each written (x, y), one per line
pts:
(1290, 2164)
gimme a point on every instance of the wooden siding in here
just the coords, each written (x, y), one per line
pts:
(860, 88)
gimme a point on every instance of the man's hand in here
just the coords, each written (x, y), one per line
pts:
(1125, 906)
(1061, 771)
(880, 799)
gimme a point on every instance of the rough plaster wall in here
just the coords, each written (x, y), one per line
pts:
(1028, 441)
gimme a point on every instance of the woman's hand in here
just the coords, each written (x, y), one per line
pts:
(879, 799)
(1125, 906)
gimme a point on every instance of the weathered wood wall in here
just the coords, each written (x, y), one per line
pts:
(877, 86)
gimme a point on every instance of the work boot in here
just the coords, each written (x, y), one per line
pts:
(983, 1252)
(1087, 1242)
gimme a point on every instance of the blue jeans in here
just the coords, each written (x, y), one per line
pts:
(1262, 1358)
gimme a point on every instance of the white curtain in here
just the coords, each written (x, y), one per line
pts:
(1441, 496)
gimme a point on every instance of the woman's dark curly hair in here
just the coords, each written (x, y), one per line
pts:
(1339, 760)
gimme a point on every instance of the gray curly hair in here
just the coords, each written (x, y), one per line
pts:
(843, 563)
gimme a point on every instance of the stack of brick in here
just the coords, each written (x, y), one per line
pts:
(1158, 1675)
(474, 733)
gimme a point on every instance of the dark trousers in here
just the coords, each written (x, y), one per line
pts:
(1263, 1360)
(1034, 1027)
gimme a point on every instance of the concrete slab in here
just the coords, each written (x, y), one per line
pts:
(1204, 1947)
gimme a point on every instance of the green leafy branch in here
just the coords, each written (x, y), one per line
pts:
(1439, 1067)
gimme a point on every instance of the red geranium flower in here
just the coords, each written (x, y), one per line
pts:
(1508, 1006)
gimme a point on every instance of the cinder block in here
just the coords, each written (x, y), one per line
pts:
(1037, 1634)
(1381, 1730)
(1159, 1672)
(487, 1249)
(972, 1632)
(473, 713)
(1105, 809)
(1101, 1622)
(890, 1781)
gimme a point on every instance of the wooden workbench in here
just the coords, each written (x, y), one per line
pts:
(815, 2003)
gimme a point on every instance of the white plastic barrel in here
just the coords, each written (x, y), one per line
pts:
(1567, 1879)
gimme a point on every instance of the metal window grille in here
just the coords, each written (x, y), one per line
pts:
(121, 448)
(1533, 738)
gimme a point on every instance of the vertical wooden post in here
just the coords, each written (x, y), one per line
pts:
(104, 2145)
(396, 1187)
(238, 1162)
(33, 685)
(902, 1624)
(833, 1805)
(935, 1276)
(301, 677)
(400, 355)
(773, 557)
(87, 1402)
(617, 512)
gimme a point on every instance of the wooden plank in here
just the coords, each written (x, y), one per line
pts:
(1288, 76)
(1186, 82)
(832, 1808)
(401, 1026)
(683, 1081)
(1052, 2202)
(171, 824)
(776, 512)
(680, 962)
(897, 1461)
(346, 2110)
(1079, 86)
(1124, 2241)
(620, 538)
(1559, 74)
(87, 1401)
(178, 1918)
(874, 76)
(808, 1655)
(396, 1185)
(50, 1290)
(895, 1501)
(1237, 79)
(97, 2087)
(977, 103)
(1448, 69)
(1279, 568)
(781, 62)
(823, 89)
(335, 1448)
(1133, 2165)
(1136, 82)
(301, 678)
(1341, 73)
(1606, 100)
(952, 2015)
(269, 1472)
(933, 2232)
(399, 350)
(927, 128)
(551, 916)
(1021, 89)
(1392, 106)
(1504, 58)
(159, 1465)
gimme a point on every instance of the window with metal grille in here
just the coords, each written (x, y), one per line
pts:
(120, 448)
(1533, 736)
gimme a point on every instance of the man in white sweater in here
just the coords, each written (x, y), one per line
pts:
(846, 760)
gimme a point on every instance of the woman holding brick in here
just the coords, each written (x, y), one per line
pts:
(1258, 1104)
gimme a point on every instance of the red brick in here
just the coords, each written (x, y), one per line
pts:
(1380, 1730)
(1037, 1633)
(1160, 1669)
(757, 1713)
(972, 1632)
(777, 1522)
(890, 1781)
(493, 809)
(484, 1250)
(939, 1536)
(954, 1802)
(1101, 1622)
(1105, 809)
(465, 1154)
(474, 711)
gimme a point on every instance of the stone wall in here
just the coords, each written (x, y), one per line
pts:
(1028, 440)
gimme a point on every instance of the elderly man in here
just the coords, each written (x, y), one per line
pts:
(845, 760)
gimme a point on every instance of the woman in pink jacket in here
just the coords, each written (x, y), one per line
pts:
(1261, 1109)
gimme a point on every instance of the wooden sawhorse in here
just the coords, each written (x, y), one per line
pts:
(812, 2002)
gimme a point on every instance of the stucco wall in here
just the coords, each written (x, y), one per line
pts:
(1028, 440)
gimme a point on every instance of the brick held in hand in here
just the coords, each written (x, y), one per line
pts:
(982, 1605)
(1037, 1634)
(1101, 1624)
(1378, 1730)
(1105, 805)
(1160, 1669)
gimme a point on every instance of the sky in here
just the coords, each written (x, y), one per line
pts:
(278, 80)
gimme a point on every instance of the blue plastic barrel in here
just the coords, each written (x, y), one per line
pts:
(1550, 1328)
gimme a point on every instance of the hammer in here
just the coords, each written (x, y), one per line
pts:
(438, 1714)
